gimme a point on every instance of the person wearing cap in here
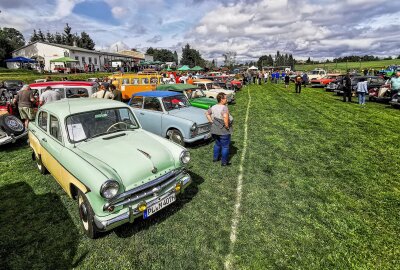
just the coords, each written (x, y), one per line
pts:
(49, 95)
(24, 99)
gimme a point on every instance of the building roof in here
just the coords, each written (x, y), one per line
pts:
(74, 48)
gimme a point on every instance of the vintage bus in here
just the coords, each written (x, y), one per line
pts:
(131, 83)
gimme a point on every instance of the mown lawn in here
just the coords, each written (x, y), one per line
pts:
(320, 191)
(343, 66)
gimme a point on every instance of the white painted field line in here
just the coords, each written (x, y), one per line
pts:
(236, 215)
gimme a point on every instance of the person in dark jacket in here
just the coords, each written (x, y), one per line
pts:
(347, 88)
(117, 93)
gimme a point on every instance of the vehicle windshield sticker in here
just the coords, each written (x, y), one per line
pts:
(102, 115)
(76, 132)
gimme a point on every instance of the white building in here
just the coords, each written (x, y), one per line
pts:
(43, 52)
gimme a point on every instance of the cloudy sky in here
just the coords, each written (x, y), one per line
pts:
(316, 28)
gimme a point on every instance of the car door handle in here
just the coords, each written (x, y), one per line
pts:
(34, 131)
(44, 139)
(141, 113)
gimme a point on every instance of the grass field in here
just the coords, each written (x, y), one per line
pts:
(320, 190)
(342, 67)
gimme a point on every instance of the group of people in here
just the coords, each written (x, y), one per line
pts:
(362, 88)
(107, 90)
(25, 101)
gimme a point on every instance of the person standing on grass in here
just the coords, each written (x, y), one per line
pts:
(347, 87)
(265, 77)
(362, 90)
(395, 84)
(221, 129)
(24, 99)
(297, 83)
(287, 80)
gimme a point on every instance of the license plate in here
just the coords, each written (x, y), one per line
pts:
(207, 136)
(164, 202)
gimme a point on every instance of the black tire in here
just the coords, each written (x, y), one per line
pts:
(371, 98)
(176, 136)
(86, 215)
(39, 164)
(11, 124)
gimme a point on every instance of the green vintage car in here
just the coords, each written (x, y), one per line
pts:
(100, 155)
(192, 92)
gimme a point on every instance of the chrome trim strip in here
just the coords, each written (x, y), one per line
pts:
(145, 186)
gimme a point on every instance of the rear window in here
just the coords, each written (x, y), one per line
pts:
(137, 102)
(77, 92)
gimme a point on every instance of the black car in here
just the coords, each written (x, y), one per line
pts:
(372, 82)
(9, 87)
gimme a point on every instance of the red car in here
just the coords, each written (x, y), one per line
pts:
(324, 81)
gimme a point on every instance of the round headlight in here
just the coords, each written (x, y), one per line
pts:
(185, 157)
(193, 127)
(109, 189)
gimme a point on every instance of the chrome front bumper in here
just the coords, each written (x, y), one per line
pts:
(131, 212)
(11, 138)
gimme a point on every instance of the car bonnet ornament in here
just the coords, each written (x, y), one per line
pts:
(154, 170)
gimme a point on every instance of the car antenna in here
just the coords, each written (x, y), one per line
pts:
(72, 129)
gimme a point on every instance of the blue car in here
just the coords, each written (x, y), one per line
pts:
(170, 115)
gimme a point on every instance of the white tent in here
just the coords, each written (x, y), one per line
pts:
(253, 68)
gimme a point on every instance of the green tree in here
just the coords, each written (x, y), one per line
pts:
(49, 37)
(86, 41)
(191, 57)
(176, 59)
(150, 51)
(34, 36)
(41, 36)
(58, 38)
(10, 40)
(68, 37)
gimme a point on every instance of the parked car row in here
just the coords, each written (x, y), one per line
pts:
(378, 88)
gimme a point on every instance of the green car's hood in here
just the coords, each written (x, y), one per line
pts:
(202, 102)
(131, 157)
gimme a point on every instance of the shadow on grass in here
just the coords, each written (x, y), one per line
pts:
(130, 229)
(20, 143)
(36, 230)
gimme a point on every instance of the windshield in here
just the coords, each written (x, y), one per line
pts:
(195, 93)
(315, 72)
(175, 102)
(92, 124)
(13, 83)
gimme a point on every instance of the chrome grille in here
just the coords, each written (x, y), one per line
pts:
(204, 128)
(145, 190)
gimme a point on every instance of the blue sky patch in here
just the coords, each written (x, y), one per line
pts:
(97, 10)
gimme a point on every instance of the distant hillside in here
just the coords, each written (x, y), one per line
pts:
(342, 67)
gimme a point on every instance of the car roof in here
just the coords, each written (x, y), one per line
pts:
(65, 107)
(155, 94)
(65, 83)
(176, 87)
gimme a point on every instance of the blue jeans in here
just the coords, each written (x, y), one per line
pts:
(361, 98)
(221, 147)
